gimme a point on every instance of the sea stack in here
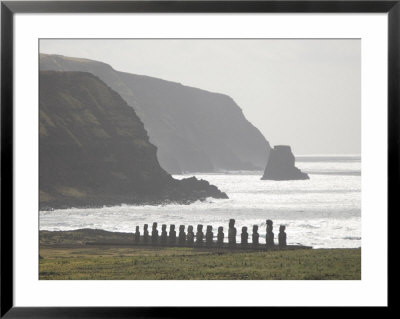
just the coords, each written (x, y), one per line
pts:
(281, 165)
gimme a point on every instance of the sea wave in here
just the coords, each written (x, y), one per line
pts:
(338, 173)
(352, 238)
(324, 212)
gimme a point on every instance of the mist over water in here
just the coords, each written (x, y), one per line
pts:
(323, 212)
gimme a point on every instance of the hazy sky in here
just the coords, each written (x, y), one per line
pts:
(304, 93)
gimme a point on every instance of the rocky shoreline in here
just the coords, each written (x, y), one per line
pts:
(94, 150)
(184, 192)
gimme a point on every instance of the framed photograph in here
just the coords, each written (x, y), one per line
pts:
(164, 154)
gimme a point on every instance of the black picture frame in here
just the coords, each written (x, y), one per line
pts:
(9, 8)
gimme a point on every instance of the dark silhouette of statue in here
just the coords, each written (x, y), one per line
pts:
(137, 235)
(269, 238)
(164, 235)
(209, 236)
(255, 236)
(182, 235)
(172, 235)
(199, 235)
(220, 236)
(244, 236)
(190, 236)
(282, 236)
(154, 234)
(232, 233)
(145, 233)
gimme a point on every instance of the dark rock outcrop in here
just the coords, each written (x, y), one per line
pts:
(281, 165)
(194, 130)
(94, 150)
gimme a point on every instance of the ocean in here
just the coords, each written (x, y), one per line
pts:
(322, 212)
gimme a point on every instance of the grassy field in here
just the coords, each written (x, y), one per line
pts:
(62, 256)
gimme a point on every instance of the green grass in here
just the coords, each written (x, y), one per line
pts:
(116, 262)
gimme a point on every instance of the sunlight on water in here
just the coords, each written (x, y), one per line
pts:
(324, 211)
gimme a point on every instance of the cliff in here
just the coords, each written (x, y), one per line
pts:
(94, 150)
(281, 165)
(194, 130)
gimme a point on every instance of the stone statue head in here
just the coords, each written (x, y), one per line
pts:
(209, 228)
(190, 229)
(255, 228)
(137, 228)
(220, 229)
(244, 229)
(164, 227)
(171, 227)
(182, 228)
(154, 225)
(269, 222)
(231, 222)
(145, 227)
(282, 228)
(199, 227)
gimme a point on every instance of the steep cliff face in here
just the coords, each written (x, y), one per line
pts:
(95, 151)
(194, 130)
(281, 165)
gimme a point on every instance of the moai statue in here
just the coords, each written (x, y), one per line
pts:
(282, 236)
(145, 233)
(232, 233)
(172, 235)
(220, 236)
(190, 236)
(164, 235)
(269, 238)
(137, 235)
(182, 235)
(199, 235)
(209, 236)
(244, 236)
(255, 236)
(154, 234)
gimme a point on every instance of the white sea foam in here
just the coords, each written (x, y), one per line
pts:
(324, 212)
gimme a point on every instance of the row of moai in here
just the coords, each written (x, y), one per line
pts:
(199, 240)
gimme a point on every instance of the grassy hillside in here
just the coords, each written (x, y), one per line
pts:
(79, 254)
(95, 151)
(118, 263)
(194, 130)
